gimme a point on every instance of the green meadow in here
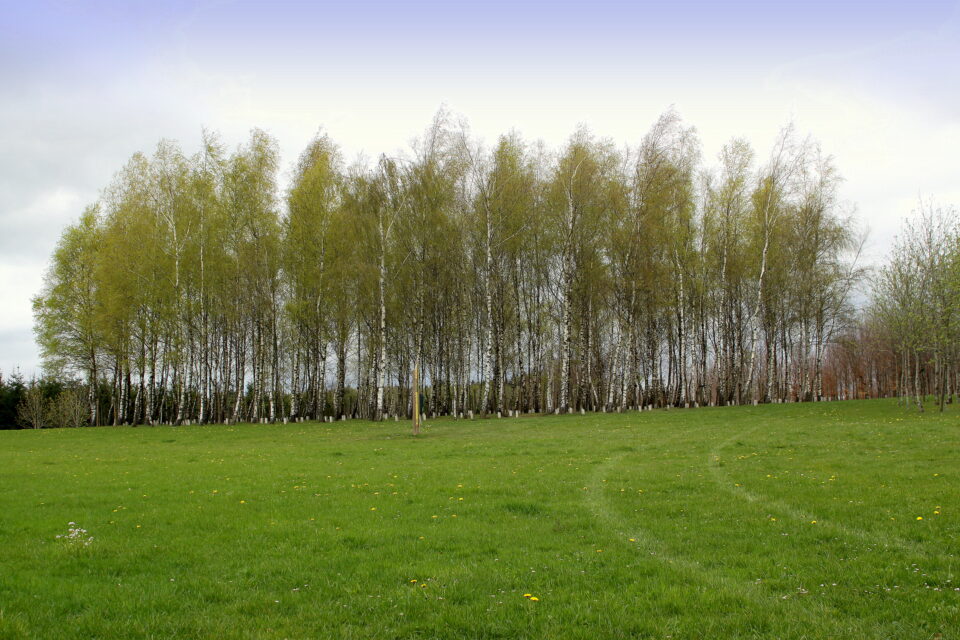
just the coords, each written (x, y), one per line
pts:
(831, 520)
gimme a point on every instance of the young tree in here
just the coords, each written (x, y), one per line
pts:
(32, 412)
(67, 409)
(68, 326)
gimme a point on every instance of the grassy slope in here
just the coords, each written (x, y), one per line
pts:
(662, 524)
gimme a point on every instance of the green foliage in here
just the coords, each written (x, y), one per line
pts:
(11, 393)
(516, 279)
(67, 327)
(916, 302)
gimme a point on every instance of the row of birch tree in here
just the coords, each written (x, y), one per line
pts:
(518, 279)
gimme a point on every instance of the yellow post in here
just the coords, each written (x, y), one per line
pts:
(416, 398)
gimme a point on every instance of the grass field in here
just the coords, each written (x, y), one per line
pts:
(833, 520)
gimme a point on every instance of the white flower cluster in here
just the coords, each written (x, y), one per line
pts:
(76, 536)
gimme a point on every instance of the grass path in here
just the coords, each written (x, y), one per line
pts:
(679, 524)
(725, 482)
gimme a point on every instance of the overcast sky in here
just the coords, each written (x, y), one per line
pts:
(84, 85)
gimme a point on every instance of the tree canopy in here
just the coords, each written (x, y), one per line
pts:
(594, 277)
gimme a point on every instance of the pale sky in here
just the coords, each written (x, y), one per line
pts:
(84, 85)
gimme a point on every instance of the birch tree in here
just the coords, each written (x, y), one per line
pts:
(514, 277)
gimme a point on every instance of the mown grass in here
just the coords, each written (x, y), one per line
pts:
(790, 521)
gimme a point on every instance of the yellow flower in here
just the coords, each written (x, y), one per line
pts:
(632, 540)
(534, 599)
(528, 595)
(919, 517)
(936, 513)
(412, 581)
(813, 522)
(243, 502)
(373, 508)
(599, 550)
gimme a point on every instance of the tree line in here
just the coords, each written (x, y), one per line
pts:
(39, 403)
(593, 277)
(906, 339)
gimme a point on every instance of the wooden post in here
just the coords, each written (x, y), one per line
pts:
(416, 398)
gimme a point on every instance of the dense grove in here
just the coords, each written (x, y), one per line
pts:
(517, 279)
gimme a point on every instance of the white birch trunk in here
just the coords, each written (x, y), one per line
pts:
(565, 346)
(488, 328)
(381, 363)
(756, 309)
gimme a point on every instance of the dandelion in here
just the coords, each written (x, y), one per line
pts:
(633, 540)
(813, 522)
(243, 502)
(373, 508)
(528, 595)
(413, 581)
(919, 517)
(534, 599)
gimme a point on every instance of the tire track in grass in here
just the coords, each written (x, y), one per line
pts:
(750, 593)
(725, 482)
